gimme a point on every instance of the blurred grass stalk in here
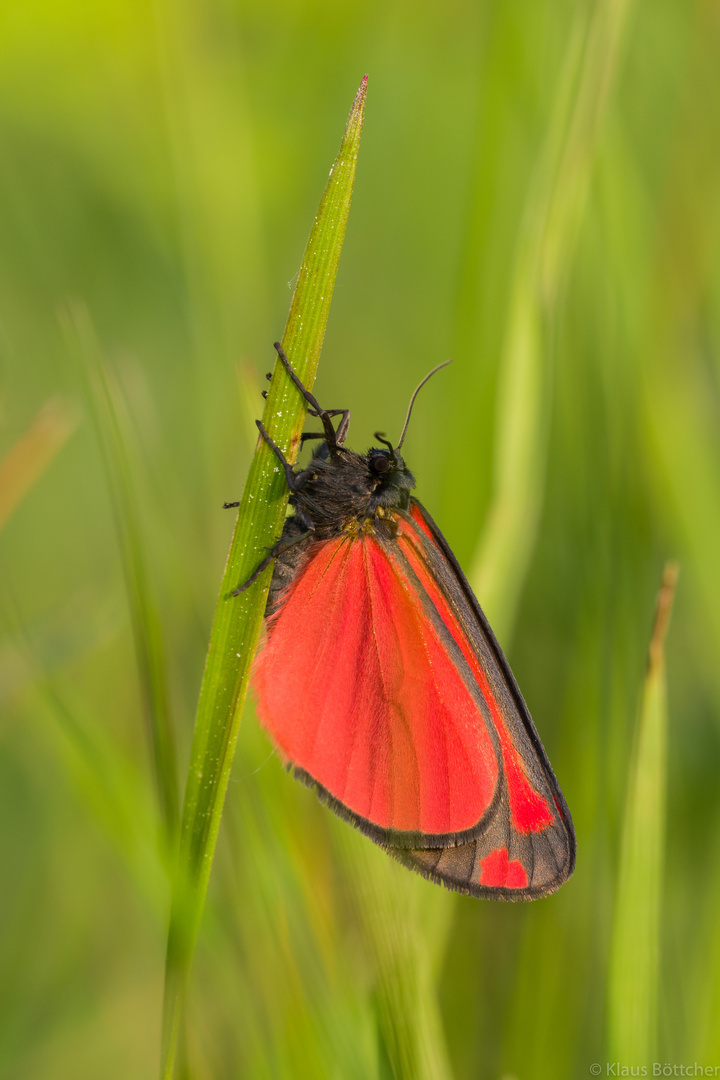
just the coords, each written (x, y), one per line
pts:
(238, 620)
(111, 784)
(114, 789)
(104, 402)
(209, 126)
(28, 458)
(634, 960)
(553, 213)
(405, 924)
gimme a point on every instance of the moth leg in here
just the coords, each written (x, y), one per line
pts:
(282, 545)
(342, 429)
(287, 467)
(312, 435)
(294, 480)
(334, 439)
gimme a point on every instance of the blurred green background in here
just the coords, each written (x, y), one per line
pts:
(537, 198)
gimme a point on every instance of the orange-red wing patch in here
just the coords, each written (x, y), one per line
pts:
(358, 691)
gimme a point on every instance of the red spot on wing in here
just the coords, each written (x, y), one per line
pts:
(497, 871)
(529, 811)
(357, 689)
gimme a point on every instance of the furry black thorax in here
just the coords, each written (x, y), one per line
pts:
(340, 492)
(341, 486)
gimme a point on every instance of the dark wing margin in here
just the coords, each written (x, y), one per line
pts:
(495, 873)
(503, 864)
(512, 859)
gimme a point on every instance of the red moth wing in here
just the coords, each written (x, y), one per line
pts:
(382, 683)
(359, 694)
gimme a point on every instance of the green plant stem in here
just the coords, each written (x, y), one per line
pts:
(634, 960)
(237, 622)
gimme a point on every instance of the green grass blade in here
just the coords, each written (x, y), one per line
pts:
(634, 960)
(555, 204)
(238, 620)
(103, 401)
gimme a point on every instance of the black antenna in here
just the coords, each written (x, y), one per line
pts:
(418, 388)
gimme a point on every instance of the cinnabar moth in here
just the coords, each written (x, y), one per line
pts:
(382, 686)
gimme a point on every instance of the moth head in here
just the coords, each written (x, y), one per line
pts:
(394, 480)
(383, 462)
